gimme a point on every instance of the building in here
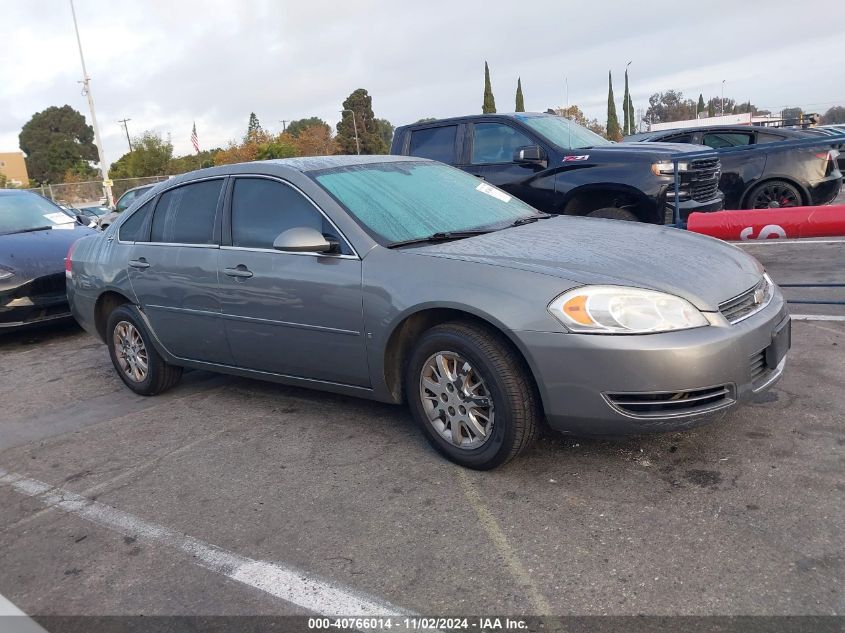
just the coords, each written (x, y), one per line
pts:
(13, 167)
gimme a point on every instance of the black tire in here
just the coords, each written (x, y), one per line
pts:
(613, 213)
(517, 416)
(160, 376)
(774, 194)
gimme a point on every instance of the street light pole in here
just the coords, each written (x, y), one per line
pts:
(124, 123)
(86, 83)
(723, 98)
(355, 127)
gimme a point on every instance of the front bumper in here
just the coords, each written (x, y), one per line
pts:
(583, 378)
(692, 206)
(25, 311)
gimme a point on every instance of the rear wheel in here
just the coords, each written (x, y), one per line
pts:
(472, 395)
(138, 364)
(774, 194)
(613, 213)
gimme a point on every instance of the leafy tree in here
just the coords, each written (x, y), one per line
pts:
(836, 114)
(711, 108)
(613, 131)
(315, 140)
(700, 107)
(385, 129)
(56, 140)
(190, 162)
(428, 119)
(669, 106)
(280, 146)
(296, 127)
(370, 135)
(520, 101)
(150, 156)
(253, 127)
(792, 115)
(489, 104)
(574, 113)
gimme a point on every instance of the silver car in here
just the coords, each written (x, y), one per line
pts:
(405, 280)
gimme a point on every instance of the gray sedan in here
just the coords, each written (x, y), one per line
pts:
(405, 280)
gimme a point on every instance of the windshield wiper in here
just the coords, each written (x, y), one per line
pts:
(442, 236)
(35, 228)
(530, 219)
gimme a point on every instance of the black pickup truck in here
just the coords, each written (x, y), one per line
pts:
(560, 167)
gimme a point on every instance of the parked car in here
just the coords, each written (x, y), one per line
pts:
(406, 280)
(768, 176)
(559, 167)
(123, 203)
(836, 131)
(34, 238)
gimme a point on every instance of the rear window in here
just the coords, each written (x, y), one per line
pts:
(185, 215)
(436, 143)
(132, 229)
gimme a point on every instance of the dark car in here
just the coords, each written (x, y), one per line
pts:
(768, 176)
(123, 203)
(35, 236)
(406, 280)
(560, 167)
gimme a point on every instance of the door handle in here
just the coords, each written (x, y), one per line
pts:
(139, 263)
(240, 271)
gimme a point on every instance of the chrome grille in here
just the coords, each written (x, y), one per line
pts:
(671, 403)
(704, 179)
(743, 306)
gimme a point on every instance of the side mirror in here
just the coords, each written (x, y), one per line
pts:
(303, 240)
(530, 154)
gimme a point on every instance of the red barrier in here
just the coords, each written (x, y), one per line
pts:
(766, 224)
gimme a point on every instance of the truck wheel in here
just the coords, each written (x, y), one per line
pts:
(613, 213)
(472, 395)
(137, 362)
(774, 194)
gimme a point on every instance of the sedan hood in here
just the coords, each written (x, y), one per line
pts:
(37, 253)
(703, 270)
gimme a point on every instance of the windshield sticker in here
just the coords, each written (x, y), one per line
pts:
(492, 191)
(58, 218)
(66, 225)
(567, 159)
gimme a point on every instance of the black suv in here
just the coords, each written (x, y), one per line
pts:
(769, 176)
(560, 167)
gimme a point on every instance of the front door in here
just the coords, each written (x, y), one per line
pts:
(173, 272)
(297, 314)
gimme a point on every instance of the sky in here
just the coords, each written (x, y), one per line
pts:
(168, 64)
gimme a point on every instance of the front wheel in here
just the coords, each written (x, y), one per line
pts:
(472, 395)
(137, 362)
(613, 213)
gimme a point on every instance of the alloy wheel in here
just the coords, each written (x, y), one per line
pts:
(456, 400)
(775, 196)
(130, 351)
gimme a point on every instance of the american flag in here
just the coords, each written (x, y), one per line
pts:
(194, 140)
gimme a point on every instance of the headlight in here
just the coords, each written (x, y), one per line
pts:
(6, 273)
(622, 310)
(667, 168)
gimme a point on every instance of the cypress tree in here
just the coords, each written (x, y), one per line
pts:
(520, 101)
(701, 105)
(631, 115)
(254, 127)
(626, 109)
(489, 105)
(613, 132)
(711, 108)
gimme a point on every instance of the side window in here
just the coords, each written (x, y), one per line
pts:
(185, 215)
(436, 143)
(125, 201)
(131, 230)
(262, 209)
(496, 143)
(763, 137)
(683, 138)
(718, 140)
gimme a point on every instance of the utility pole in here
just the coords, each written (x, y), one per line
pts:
(86, 89)
(355, 127)
(124, 122)
(723, 98)
(284, 123)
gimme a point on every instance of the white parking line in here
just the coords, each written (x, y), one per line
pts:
(787, 241)
(289, 584)
(817, 317)
(13, 620)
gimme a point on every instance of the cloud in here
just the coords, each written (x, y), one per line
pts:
(166, 64)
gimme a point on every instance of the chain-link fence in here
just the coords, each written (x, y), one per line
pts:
(91, 192)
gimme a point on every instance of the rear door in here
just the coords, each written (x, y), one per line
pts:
(492, 149)
(173, 271)
(297, 314)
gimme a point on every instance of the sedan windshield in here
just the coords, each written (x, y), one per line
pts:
(409, 200)
(562, 132)
(26, 211)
